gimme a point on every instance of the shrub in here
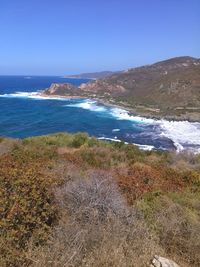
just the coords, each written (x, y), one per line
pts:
(176, 220)
(98, 229)
(27, 206)
(59, 139)
(93, 199)
(93, 142)
(99, 157)
(79, 139)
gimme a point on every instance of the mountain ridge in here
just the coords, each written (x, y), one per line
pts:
(91, 75)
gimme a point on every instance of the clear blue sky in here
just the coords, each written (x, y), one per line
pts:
(56, 37)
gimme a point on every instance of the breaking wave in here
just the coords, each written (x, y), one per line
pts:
(89, 105)
(122, 114)
(184, 134)
(143, 147)
(31, 95)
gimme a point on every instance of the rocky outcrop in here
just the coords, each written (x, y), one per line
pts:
(101, 86)
(62, 89)
(162, 262)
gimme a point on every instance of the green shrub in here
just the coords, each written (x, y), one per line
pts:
(59, 139)
(79, 139)
(93, 142)
(98, 157)
(27, 208)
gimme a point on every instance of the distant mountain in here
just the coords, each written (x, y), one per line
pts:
(93, 75)
(170, 88)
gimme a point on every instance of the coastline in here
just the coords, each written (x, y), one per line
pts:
(132, 111)
(135, 112)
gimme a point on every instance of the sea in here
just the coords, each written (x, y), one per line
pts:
(25, 114)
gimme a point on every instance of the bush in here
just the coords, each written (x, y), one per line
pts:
(59, 139)
(98, 229)
(92, 200)
(79, 139)
(176, 224)
(99, 157)
(93, 142)
(27, 206)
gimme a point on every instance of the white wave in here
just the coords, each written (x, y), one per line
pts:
(115, 130)
(122, 114)
(110, 139)
(118, 113)
(31, 95)
(184, 134)
(89, 105)
(143, 147)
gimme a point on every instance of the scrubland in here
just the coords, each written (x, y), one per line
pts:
(72, 200)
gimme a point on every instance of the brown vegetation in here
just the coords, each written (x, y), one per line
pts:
(71, 200)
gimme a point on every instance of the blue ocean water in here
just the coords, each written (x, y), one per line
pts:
(23, 114)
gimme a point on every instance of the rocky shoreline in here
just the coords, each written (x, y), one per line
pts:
(132, 111)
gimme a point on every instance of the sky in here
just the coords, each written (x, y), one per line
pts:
(57, 37)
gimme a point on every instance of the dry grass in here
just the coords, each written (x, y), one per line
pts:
(179, 232)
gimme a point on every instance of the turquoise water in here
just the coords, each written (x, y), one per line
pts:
(23, 114)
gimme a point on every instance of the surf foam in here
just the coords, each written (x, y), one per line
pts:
(143, 147)
(184, 134)
(122, 114)
(89, 105)
(32, 95)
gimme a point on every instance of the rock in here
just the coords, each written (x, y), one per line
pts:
(162, 262)
(61, 89)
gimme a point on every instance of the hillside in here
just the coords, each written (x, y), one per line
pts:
(91, 75)
(72, 200)
(169, 89)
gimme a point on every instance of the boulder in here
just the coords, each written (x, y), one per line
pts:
(162, 262)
